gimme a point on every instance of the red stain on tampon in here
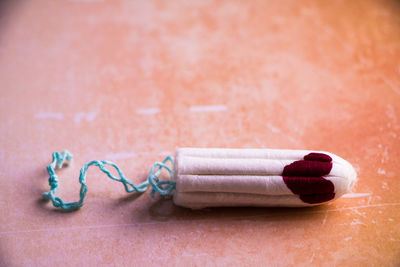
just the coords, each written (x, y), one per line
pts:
(318, 157)
(304, 178)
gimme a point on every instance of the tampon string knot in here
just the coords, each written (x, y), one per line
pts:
(164, 188)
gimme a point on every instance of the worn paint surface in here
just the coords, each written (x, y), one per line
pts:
(132, 80)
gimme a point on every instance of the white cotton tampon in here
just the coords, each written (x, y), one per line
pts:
(207, 177)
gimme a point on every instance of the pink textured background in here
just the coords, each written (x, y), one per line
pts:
(122, 80)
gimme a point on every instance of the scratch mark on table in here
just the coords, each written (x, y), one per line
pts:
(356, 195)
(216, 108)
(384, 185)
(381, 171)
(88, 116)
(357, 222)
(325, 217)
(367, 206)
(359, 213)
(312, 257)
(391, 85)
(273, 128)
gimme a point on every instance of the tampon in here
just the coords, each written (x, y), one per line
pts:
(212, 177)
(207, 177)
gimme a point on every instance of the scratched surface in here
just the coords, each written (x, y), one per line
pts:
(130, 81)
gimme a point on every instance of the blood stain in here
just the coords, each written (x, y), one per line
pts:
(304, 178)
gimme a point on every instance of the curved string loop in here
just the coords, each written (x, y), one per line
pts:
(164, 188)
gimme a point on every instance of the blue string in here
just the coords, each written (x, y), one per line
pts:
(164, 188)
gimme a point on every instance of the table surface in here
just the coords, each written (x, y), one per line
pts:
(129, 81)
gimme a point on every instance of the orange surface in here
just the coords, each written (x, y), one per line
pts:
(123, 81)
